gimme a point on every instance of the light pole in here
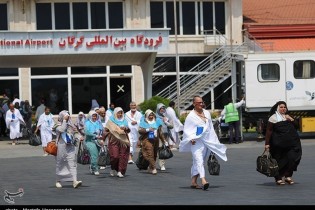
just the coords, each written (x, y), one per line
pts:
(177, 59)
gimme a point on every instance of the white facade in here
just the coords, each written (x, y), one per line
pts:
(73, 46)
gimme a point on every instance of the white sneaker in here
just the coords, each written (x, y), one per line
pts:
(13, 143)
(96, 173)
(112, 173)
(58, 185)
(154, 172)
(77, 184)
(130, 162)
(45, 154)
(163, 168)
(120, 175)
(102, 167)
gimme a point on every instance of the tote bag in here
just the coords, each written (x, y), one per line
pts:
(213, 165)
(266, 165)
(142, 163)
(83, 156)
(165, 152)
(103, 156)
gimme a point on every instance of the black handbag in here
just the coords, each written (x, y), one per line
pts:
(83, 156)
(213, 165)
(141, 162)
(165, 152)
(34, 140)
(267, 165)
(103, 156)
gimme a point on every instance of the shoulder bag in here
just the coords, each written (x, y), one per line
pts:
(266, 165)
(141, 162)
(34, 140)
(83, 156)
(103, 156)
(51, 148)
(213, 165)
(165, 152)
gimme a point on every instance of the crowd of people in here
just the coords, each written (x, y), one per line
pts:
(123, 132)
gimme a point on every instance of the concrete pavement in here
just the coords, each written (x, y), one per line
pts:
(24, 167)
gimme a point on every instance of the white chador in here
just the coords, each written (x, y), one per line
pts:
(206, 141)
(134, 134)
(13, 121)
(46, 123)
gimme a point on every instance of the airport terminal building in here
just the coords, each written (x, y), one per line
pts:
(70, 52)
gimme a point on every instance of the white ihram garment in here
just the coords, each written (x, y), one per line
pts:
(205, 142)
(14, 124)
(45, 123)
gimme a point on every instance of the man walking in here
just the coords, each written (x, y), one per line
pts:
(133, 117)
(231, 116)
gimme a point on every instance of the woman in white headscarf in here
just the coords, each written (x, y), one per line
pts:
(150, 130)
(116, 129)
(66, 163)
(284, 142)
(93, 130)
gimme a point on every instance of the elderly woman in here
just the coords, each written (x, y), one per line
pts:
(150, 130)
(117, 130)
(93, 139)
(79, 123)
(284, 142)
(167, 124)
(66, 164)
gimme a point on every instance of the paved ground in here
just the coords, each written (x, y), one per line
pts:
(24, 167)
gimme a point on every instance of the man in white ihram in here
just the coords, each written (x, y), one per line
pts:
(133, 117)
(45, 124)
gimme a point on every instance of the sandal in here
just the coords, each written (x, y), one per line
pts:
(280, 182)
(289, 180)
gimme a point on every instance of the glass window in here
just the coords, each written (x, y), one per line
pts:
(115, 16)
(207, 17)
(220, 17)
(268, 72)
(88, 70)
(9, 72)
(304, 69)
(86, 89)
(170, 17)
(165, 64)
(187, 63)
(80, 15)
(49, 71)
(98, 15)
(120, 69)
(54, 91)
(62, 16)
(156, 9)
(9, 87)
(188, 11)
(3, 17)
(159, 83)
(120, 92)
(43, 16)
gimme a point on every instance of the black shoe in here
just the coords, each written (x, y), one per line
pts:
(236, 142)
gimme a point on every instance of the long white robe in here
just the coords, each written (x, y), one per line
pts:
(14, 124)
(205, 142)
(45, 123)
(134, 134)
(178, 126)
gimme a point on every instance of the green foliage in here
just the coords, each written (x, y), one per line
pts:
(152, 102)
